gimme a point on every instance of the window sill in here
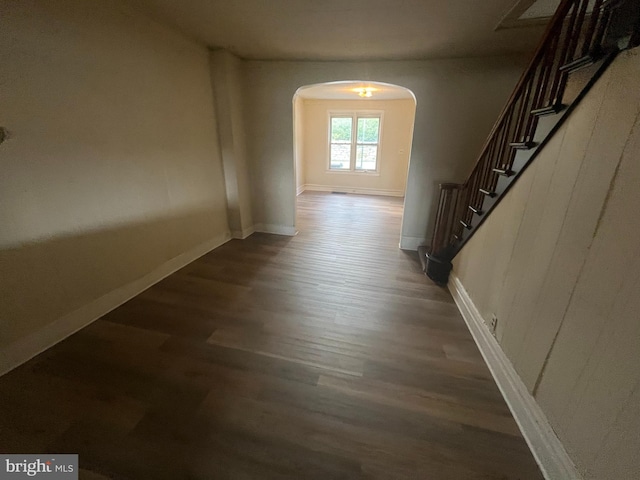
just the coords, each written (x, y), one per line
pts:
(372, 173)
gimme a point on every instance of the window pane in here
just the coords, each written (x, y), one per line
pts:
(340, 129)
(368, 130)
(366, 156)
(341, 156)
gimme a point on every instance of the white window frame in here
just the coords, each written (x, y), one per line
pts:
(354, 139)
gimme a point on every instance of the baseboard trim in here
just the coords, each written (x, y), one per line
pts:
(356, 190)
(300, 189)
(548, 451)
(244, 233)
(275, 229)
(26, 348)
(411, 243)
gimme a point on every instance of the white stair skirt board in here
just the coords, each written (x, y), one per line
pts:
(548, 451)
(356, 190)
(26, 348)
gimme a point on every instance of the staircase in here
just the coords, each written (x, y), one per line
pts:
(582, 39)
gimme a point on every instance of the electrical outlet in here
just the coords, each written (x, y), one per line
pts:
(494, 323)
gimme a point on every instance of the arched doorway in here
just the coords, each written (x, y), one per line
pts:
(353, 137)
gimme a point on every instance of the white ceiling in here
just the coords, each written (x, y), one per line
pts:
(346, 30)
(346, 91)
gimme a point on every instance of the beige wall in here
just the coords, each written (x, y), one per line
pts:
(457, 103)
(395, 146)
(558, 262)
(112, 169)
(298, 142)
(226, 79)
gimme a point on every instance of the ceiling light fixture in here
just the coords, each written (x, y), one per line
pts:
(365, 92)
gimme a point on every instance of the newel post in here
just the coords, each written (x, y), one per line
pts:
(438, 261)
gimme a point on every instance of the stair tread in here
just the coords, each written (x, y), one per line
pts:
(523, 145)
(489, 193)
(548, 110)
(504, 171)
(581, 62)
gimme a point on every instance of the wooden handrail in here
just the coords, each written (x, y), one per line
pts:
(554, 24)
(574, 38)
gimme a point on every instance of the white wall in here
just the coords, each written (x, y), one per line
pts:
(457, 103)
(393, 157)
(558, 262)
(112, 175)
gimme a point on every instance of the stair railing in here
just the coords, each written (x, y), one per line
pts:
(578, 35)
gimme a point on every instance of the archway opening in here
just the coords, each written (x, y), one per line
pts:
(353, 137)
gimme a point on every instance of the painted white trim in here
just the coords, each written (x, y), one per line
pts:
(411, 243)
(244, 233)
(546, 447)
(275, 229)
(26, 348)
(357, 173)
(357, 190)
(300, 189)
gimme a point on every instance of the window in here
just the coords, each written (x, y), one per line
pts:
(354, 142)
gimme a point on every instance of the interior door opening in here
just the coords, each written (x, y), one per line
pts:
(353, 137)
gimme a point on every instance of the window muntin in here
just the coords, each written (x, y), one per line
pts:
(368, 138)
(354, 152)
(341, 142)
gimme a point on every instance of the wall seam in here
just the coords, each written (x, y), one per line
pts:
(612, 183)
(603, 328)
(537, 301)
(513, 247)
(543, 369)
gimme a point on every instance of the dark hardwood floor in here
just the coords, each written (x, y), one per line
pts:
(327, 355)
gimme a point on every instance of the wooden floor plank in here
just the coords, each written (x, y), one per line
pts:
(326, 355)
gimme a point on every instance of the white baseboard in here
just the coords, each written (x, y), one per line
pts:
(411, 243)
(244, 233)
(26, 348)
(548, 451)
(275, 229)
(300, 189)
(356, 190)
